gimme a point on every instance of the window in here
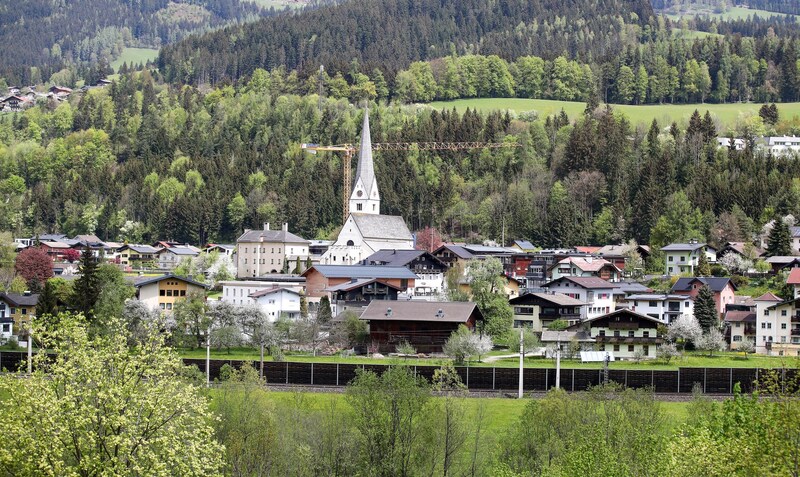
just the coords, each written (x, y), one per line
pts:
(670, 258)
(653, 304)
(631, 334)
(162, 292)
(645, 334)
(163, 306)
(783, 312)
(737, 338)
(183, 292)
(766, 312)
(783, 326)
(6, 328)
(616, 347)
(358, 207)
(683, 259)
(646, 350)
(763, 326)
(630, 348)
(738, 325)
(245, 261)
(169, 306)
(601, 333)
(769, 326)
(616, 334)
(783, 339)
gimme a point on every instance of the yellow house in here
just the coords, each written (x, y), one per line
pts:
(162, 292)
(510, 286)
(18, 307)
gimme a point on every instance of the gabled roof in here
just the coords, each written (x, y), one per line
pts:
(587, 248)
(374, 226)
(686, 247)
(794, 277)
(441, 311)
(139, 248)
(224, 246)
(525, 245)
(138, 283)
(458, 250)
(739, 247)
(477, 249)
(657, 297)
(559, 299)
(270, 291)
(87, 238)
(179, 251)
(361, 271)
(769, 296)
(717, 284)
(565, 336)
(50, 237)
(631, 287)
(740, 316)
(19, 299)
(55, 244)
(270, 236)
(358, 283)
(585, 282)
(588, 264)
(398, 258)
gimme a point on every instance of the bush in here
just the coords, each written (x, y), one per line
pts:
(405, 348)
(667, 352)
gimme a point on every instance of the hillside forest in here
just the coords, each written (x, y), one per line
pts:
(139, 161)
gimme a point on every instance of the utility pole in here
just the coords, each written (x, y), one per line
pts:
(208, 357)
(30, 349)
(521, 359)
(558, 361)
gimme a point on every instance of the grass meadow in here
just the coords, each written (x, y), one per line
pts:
(134, 56)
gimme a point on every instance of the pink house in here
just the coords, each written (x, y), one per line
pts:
(723, 289)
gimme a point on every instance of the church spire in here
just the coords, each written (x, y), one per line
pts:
(365, 197)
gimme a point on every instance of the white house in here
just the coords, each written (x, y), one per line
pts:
(623, 332)
(663, 307)
(169, 258)
(777, 326)
(277, 301)
(782, 145)
(683, 257)
(238, 292)
(366, 231)
(597, 293)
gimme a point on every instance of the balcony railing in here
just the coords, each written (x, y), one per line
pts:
(795, 331)
(628, 340)
(796, 318)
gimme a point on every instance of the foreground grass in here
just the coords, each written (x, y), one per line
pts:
(690, 359)
(644, 114)
(134, 56)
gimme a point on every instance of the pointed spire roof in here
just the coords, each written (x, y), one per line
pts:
(366, 168)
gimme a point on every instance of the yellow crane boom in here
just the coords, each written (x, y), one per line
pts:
(349, 150)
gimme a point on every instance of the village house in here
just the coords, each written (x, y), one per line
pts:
(261, 252)
(430, 270)
(740, 325)
(510, 289)
(683, 257)
(18, 308)
(135, 256)
(597, 293)
(585, 267)
(170, 258)
(358, 293)
(321, 278)
(618, 254)
(780, 263)
(623, 332)
(777, 326)
(276, 302)
(55, 250)
(162, 292)
(537, 310)
(723, 288)
(666, 308)
(238, 292)
(221, 248)
(426, 325)
(781, 145)
(743, 249)
(794, 281)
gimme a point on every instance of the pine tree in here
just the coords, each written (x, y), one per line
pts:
(48, 301)
(309, 262)
(324, 314)
(703, 268)
(303, 306)
(87, 287)
(297, 269)
(705, 309)
(779, 242)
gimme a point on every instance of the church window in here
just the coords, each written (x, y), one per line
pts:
(358, 207)
(373, 207)
(350, 243)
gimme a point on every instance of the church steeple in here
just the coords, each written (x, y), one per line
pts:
(365, 198)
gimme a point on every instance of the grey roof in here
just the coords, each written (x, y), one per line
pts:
(148, 280)
(141, 248)
(795, 231)
(382, 226)
(270, 236)
(460, 251)
(632, 287)
(740, 315)
(524, 244)
(361, 271)
(358, 283)
(226, 246)
(565, 336)
(586, 282)
(686, 247)
(366, 168)
(396, 258)
(180, 251)
(657, 297)
(624, 311)
(19, 299)
(50, 237)
(451, 311)
(781, 259)
(479, 249)
(269, 291)
(717, 284)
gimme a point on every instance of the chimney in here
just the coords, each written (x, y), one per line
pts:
(266, 226)
(286, 226)
(388, 312)
(27, 293)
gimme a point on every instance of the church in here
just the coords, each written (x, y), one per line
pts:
(366, 231)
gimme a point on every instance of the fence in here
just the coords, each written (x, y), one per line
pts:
(682, 380)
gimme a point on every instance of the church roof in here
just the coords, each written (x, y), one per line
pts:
(374, 226)
(366, 167)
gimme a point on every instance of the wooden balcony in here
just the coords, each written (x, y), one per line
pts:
(628, 340)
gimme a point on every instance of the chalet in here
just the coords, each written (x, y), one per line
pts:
(538, 310)
(585, 267)
(783, 262)
(360, 292)
(623, 332)
(723, 288)
(782, 145)
(60, 91)
(742, 249)
(666, 308)
(426, 325)
(56, 250)
(164, 291)
(777, 325)
(277, 301)
(597, 293)
(683, 257)
(14, 103)
(617, 254)
(429, 269)
(221, 248)
(740, 325)
(169, 258)
(452, 254)
(17, 307)
(320, 278)
(137, 256)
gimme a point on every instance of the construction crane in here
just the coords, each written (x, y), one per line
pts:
(350, 149)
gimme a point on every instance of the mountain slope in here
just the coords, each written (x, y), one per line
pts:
(389, 34)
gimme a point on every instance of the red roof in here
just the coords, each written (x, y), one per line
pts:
(794, 277)
(587, 248)
(769, 296)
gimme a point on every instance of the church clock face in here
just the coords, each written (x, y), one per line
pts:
(359, 193)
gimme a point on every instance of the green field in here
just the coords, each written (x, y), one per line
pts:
(692, 360)
(733, 13)
(134, 56)
(664, 113)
